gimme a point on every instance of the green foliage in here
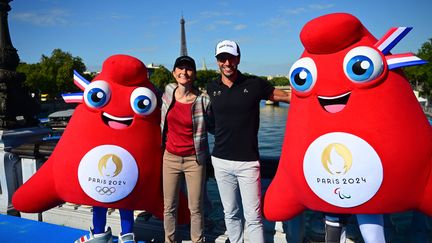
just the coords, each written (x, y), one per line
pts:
(204, 77)
(34, 77)
(420, 77)
(161, 77)
(53, 75)
(280, 81)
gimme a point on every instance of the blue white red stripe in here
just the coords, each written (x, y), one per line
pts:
(80, 81)
(403, 60)
(83, 239)
(73, 97)
(391, 38)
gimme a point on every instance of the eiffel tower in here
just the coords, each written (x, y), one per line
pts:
(183, 48)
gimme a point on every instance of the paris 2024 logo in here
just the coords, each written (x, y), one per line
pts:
(108, 173)
(342, 169)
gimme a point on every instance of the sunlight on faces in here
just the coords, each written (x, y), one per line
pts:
(227, 63)
(184, 74)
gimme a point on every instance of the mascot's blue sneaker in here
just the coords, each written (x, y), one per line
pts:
(126, 238)
(105, 237)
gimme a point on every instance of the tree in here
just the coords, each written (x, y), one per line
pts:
(280, 81)
(420, 77)
(53, 75)
(161, 77)
(34, 79)
(204, 77)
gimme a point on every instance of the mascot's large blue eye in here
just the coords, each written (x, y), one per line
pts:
(363, 64)
(97, 94)
(303, 74)
(143, 101)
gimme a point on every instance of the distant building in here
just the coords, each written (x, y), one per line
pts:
(91, 72)
(151, 68)
(270, 77)
(204, 66)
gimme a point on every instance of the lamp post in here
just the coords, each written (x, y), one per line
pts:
(17, 108)
(18, 122)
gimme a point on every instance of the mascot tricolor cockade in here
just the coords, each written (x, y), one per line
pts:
(357, 140)
(110, 152)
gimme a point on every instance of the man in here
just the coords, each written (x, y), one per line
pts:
(235, 100)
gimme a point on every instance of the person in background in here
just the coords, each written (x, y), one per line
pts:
(235, 100)
(186, 150)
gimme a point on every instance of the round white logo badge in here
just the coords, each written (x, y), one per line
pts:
(342, 169)
(107, 173)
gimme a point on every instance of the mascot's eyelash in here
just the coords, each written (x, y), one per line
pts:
(81, 83)
(73, 97)
(403, 60)
(390, 40)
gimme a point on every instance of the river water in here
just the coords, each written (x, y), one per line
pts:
(272, 129)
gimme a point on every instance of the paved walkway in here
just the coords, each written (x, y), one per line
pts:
(307, 228)
(400, 228)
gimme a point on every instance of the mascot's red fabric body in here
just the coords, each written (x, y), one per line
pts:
(110, 152)
(357, 140)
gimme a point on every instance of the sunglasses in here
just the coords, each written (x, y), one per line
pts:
(224, 57)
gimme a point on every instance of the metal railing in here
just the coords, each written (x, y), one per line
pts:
(25, 159)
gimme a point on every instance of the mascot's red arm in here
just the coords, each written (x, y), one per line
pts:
(110, 152)
(45, 194)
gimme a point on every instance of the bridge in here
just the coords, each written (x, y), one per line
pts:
(23, 151)
(20, 162)
(23, 159)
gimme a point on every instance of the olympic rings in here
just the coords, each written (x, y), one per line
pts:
(105, 190)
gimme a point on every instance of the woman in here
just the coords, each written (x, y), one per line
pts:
(186, 150)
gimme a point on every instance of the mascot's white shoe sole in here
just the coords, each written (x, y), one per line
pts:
(105, 237)
(126, 238)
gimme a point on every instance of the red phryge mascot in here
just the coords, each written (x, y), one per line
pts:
(109, 156)
(357, 140)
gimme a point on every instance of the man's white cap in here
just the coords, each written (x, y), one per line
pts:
(227, 46)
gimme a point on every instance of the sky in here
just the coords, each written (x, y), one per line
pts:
(266, 30)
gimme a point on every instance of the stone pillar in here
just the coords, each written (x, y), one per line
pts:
(18, 122)
(17, 108)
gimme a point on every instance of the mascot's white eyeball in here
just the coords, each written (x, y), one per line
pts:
(97, 94)
(143, 101)
(303, 75)
(363, 64)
